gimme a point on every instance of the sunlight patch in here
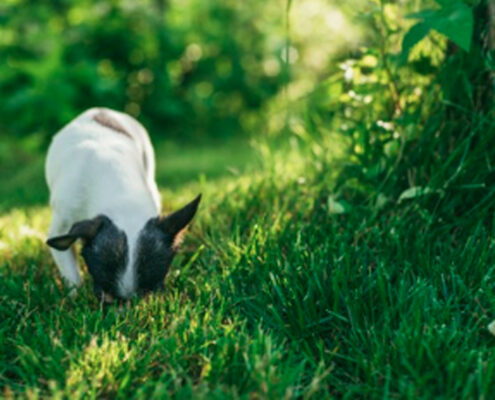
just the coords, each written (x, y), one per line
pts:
(103, 364)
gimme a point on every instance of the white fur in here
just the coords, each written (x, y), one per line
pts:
(92, 170)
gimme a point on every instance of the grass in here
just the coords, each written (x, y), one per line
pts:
(275, 295)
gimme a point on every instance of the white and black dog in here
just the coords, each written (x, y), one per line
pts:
(100, 169)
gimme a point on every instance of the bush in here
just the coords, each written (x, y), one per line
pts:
(189, 69)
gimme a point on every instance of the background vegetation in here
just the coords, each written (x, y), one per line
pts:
(346, 155)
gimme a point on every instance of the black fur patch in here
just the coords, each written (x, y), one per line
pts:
(154, 254)
(157, 244)
(106, 256)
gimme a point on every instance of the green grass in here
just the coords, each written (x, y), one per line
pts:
(274, 295)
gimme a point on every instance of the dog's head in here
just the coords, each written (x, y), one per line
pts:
(107, 252)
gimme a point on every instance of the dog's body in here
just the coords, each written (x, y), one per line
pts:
(100, 170)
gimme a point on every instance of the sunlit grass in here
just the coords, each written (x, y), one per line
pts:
(273, 296)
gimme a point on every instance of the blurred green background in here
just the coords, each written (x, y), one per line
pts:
(394, 90)
(205, 78)
(188, 69)
(345, 151)
(185, 68)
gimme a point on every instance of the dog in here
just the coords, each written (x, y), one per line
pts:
(100, 170)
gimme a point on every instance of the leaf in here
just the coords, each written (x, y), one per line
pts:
(413, 36)
(454, 20)
(424, 14)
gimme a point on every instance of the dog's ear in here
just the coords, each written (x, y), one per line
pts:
(85, 230)
(174, 225)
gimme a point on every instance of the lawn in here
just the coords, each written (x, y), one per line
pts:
(278, 293)
(344, 246)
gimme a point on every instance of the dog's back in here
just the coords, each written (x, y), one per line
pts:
(99, 161)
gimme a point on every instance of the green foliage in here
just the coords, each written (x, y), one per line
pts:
(348, 254)
(185, 68)
(454, 20)
(417, 130)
